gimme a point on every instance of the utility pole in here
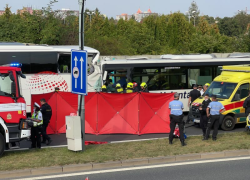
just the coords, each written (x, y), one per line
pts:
(90, 13)
(81, 107)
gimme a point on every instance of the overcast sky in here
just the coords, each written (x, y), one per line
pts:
(111, 8)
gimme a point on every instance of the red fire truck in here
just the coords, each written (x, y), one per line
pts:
(13, 127)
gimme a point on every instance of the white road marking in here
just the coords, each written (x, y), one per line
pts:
(136, 168)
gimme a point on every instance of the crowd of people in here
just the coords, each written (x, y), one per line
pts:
(209, 113)
(130, 88)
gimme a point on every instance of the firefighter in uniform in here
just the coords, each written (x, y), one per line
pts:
(47, 113)
(144, 87)
(118, 88)
(176, 117)
(104, 88)
(129, 88)
(203, 112)
(36, 128)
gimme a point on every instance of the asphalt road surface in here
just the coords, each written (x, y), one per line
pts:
(60, 140)
(222, 169)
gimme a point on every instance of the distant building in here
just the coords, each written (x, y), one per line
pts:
(25, 9)
(67, 12)
(123, 16)
(139, 15)
(2, 12)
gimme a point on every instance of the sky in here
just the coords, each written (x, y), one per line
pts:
(111, 8)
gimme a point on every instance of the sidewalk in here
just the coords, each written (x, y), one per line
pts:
(119, 164)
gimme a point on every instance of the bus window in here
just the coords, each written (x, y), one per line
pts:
(43, 61)
(17, 57)
(64, 63)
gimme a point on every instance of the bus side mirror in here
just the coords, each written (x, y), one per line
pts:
(236, 97)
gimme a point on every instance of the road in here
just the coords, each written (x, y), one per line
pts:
(60, 140)
(222, 169)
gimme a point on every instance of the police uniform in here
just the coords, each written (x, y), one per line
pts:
(176, 117)
(204, 118)
(36, 130)
(47, 113)
(214, 119)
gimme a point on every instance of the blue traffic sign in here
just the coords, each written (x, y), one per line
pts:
(79, 71)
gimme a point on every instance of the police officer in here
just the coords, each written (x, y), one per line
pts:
(246, 105)
(129, 88)
(203, 112)
(118, 88)
(215, 109)
(176, 117)
(36, 128)
(144, 87)
(47, 113)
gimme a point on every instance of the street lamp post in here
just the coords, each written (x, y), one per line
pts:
(90, 13)
(189, 16)
(194, 16)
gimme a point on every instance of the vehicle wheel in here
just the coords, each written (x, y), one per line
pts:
(228, 123)
(2, 144)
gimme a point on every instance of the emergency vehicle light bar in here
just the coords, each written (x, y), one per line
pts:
(15, 65)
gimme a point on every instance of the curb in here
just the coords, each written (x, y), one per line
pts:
(119, 164)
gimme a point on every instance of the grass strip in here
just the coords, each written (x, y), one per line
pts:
(121, 151)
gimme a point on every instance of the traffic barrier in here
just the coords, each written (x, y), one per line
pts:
(105, 113)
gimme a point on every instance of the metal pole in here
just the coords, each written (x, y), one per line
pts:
(194, 21)
(81, 109)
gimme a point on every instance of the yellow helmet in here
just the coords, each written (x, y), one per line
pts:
(104, 87)
(207, 84)
(118, 85)
(130, 85)
(143, 84)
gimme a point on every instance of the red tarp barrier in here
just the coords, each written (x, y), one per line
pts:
(105, 113)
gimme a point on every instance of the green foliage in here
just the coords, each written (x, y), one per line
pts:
(161, 34)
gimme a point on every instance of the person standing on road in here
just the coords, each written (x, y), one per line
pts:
(215, 109)
(246, 105)
(47, 113)
(193, 95)
(129, 88)
(118, 88)
(36, 127)
(203, 112)
(176, 117)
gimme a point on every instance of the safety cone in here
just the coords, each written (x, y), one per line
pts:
(87, 178)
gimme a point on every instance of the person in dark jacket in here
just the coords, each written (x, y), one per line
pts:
(47, 113)
(204, 118)
(135, 87)
(246, 105)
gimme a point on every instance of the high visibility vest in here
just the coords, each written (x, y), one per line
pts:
(129, 90)
(119, 90)
(34, 116)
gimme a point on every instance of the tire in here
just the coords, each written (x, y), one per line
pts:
(228, 123)
(2, 144)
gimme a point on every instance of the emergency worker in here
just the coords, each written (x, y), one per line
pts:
(203, 112)
(135, 87)
(36, 127)
(118, 88)
(104, 88)
(129, 88)
(144, 87)
(193, 95)
(215, 109)
(246, 105)
(176, 117)
(205, 87)
(47, 113)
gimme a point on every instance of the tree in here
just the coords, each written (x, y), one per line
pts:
(203, 26)
(194, 12)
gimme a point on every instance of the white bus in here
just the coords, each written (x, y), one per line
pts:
(170, 73)
(46, 67)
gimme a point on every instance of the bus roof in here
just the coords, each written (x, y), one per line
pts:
(39, 48)
(177, 62)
